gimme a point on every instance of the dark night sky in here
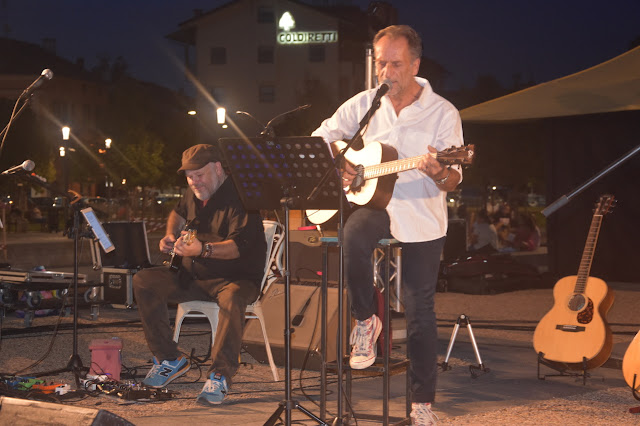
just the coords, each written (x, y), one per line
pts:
(542, 39)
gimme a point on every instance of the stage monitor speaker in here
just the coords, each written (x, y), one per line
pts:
(456, 242)
(306, 261)
(19, 412)
(305, 314)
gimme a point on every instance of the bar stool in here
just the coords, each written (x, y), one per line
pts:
(385, 251)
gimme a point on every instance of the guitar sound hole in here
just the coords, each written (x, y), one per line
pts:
(577, 302)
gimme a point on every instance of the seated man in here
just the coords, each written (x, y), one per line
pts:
(484, 237)
(223, 263)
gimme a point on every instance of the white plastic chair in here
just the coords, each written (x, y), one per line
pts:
(274, 234)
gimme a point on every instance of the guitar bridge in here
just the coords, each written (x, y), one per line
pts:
(570, 328)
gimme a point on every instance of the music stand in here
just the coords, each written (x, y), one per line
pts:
(282, 172)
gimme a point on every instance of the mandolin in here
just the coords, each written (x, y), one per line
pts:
(377, 166)
(575, 331)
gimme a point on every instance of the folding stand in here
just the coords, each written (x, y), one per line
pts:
(634, 392)
(464, 320)
(281, 172)
(75, 362)
(562, 369)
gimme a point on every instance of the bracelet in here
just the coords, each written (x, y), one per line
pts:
(207, 250)
(444, 179)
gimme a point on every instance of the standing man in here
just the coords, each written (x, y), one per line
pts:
(224, 264)
(415, 121)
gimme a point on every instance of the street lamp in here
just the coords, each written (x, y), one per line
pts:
(108, 183)
(66, 132)
(221, 114)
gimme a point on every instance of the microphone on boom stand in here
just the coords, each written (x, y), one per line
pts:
(267, 130)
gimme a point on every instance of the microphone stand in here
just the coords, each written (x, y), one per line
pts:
(13, 117)
(75, 361)
(339, 164)
(267, 130)
(27, 94)
(564, 199)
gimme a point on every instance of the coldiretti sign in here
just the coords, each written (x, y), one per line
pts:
(287, 22)
(307, 37)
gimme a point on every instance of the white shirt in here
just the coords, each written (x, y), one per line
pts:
(418, 209)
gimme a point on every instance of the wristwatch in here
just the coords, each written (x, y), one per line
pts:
(444, 179)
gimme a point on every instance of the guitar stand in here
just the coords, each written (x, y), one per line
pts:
(634, 392)
(475, 371)
(562, 369)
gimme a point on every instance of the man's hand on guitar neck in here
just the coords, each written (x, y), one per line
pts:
(445, 178)
(190, 246)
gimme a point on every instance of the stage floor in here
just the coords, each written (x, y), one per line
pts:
(503, 326)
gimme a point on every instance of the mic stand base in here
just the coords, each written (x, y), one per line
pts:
(75, 362)
(288, 404)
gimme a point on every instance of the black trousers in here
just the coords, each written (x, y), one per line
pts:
(420, 266)
(155, 288)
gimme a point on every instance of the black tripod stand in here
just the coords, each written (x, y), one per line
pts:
(74, 364)
(270, 173)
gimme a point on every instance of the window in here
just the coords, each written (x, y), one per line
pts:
(218, 55)
(267, 94)
(265, 54)
(218, 94)
(316, 53)
(266, 15)
(86, 113)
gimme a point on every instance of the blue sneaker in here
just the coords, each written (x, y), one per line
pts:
(214, 390)
(161, 374)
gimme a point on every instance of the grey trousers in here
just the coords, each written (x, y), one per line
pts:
(155, 288)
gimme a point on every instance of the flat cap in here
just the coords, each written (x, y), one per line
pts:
(198, 156)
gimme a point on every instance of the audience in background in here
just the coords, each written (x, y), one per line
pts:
(504, 231)
(483, 236)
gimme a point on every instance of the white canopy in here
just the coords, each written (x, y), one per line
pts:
(611, 86)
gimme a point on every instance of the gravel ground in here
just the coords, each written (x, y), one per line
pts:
(502, 317)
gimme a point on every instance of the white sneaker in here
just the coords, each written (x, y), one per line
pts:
(363, 338)
(421, 414)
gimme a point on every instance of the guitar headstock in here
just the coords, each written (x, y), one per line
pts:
(605, 204)
(462, 155)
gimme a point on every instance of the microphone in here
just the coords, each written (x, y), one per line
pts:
(27, 165)
(383, 89)
(46, 74)
(375, 104)
(297, 320)
(267, 130)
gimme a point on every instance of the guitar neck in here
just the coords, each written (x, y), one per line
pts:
(587, 254)
(390, 167)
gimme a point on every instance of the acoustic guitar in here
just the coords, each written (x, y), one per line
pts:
(176, 261)
(575, 331)
(631, 364)
(377, 167)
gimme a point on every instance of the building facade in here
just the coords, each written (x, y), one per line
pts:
(266, 57)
